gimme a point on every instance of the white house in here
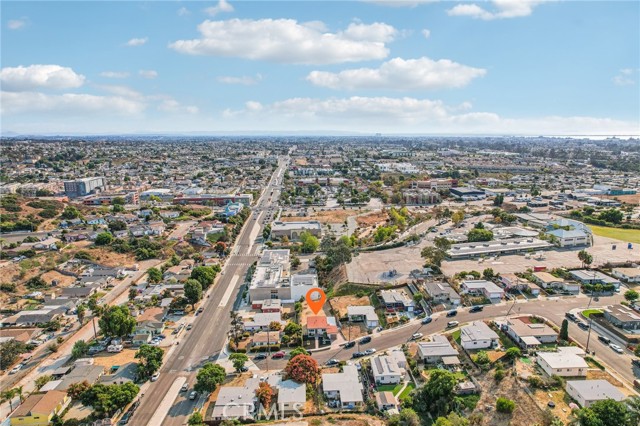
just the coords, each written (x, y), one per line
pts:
(546, 280)
(478, 335)
(291, 394)
(528, 334)
(434, 351)
(484, 288)
(586, 392)
(344, 387)
(366, 314)
(566, 362)
(386, 370)
(630, 275)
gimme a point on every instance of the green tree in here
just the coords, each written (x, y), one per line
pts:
(8, 395)
(107, 399)
(193, 291)
(512, 353)
(116, 321)
(498, 200)
(488, 274)
(209, 377)
(104, 239)
(452, 419)
(433, 256)
(442, 243)
(133, 293)
(633, 407)
(237, 327)
(309, 242)
(117, 225)
(76, 389)
(476, 235)
(266, 232)
(504, 405)
(195, 419)
(298, 351)
(631, 295)
(406, 417)
(482, 358)
(80, 349)
(70, 212)
(155, 275)
(9, 352)
(457, 217)
(42, 380)
(150, 360)
(80, 312)
(303, 369)
(611, 215)
(585, 257)
(437, 395)
(564, 331)
(118, 200)
(239, 360)
(205, 274)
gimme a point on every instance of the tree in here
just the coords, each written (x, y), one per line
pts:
(155, 275)
(512, 353)
(498, 200)
(303, 369)
(437, 395)
(457, 217)
(265, 394)
(205, 274)
(118, 200)
(9, 351)
(482, 358)
(195, 419)
(433, 256)
(133, 293)
(150, 360)
(19, 390)
(295, 261)
(309, 242)
(70, 212)
(42, 380)
(452, 419)
(610, 412)
(80, 312)
(418, 297)
(477, 234)
(564, 331)
(209, 377)
(275, 326)
(107, 399)
(80, 349)
(266, 232)
(504, 405)
(585, 257)
(298, 351)
(8, 395)
(117, 225)
(104, 239)
(633, 407)
(611, 215)
(238, 360)
(442, 243)
(488, 274)
(193, 291)
(116, 321)
(76, 389)
(631, 295)
(406, 417)
(237, 327)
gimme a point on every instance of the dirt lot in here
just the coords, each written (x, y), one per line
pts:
(340, 304)
(560, 398)
(372, 219)
(102, 256)
(327, 216)
(336, 419)
(63, 280)
(108, 360)
(629, 199)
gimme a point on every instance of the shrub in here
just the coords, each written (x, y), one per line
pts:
(504, 405)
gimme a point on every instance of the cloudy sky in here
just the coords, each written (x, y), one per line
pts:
(391, 66)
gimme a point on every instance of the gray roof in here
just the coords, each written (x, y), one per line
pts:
(475, 331)
(367, 311)
(346, 383)
(290, 391)
(438, 346)
(594, 390)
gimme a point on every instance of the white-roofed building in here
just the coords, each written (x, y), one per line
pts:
(292, 230)
(566, 362)
(344, 387)
(586, 392)
(483, 288)
(478, 335)
(386, 370)
(366, 314)
(434, 351)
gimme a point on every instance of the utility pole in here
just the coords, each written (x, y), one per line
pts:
(95, 333)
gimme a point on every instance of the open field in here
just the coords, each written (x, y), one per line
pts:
(327, 216)
(626, 235)
(108, 360)
(340, 304)
(628, 199)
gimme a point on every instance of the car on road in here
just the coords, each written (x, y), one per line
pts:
(452, 324)
(570, 316)
(370, 351)
(416, 336)
(244, 369)
(365, 339)
(184, 387)
(277, 355)
(125, 419)
(15, 369)
(331, 362)
(426, 320)
(583, 325)
(155, 376)
(358, 355)
(452, 313)
(476, 308)
(616, 348)
(604, 340)
(349, 345)
(259, 357)
(189, 327)
(636, 362)
(193, 395)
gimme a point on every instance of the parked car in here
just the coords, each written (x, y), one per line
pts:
(193, 395)
(280, 354)
(332, 361)
(604, 340)
(184, 387)
(476, 308)
(189, 327)
(125, 419)
(583, 326)
(452, 324)
(416, 336)
(365, 339)
(15, 369)
(370, 351)
(452, 313)
(96, 349)
(358, 355)
(259, 357)
(426, 320)
(349, 345)
(570, 316)
(616, 348)
(155, 376)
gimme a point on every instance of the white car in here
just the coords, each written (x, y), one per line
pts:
(370, 351)
(616, 348)
(416, 336)
(15, 369)
(155, 377)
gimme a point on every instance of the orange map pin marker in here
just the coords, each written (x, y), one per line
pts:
(315, 299)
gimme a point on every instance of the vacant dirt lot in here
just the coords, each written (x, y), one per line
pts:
(101, 255)
(337, 419)
(327, 216)
(63, 280)
(372, 219)
(340, 304)
(108, 360)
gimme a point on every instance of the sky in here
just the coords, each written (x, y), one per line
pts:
(503, 67)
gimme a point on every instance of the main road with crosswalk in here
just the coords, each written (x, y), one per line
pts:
(162, 402)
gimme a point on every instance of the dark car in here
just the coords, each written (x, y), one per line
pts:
(583, 326)
(125, 419)
(349, 345)
(636, 362)
(365, 339)
(452, 313)
(259, 357)
(427, 320)
(332, 362)
(476, 308)
(570, 316)
(604, 340)
(244, 369)
(358, 355)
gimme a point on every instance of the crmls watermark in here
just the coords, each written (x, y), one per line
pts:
(233, 411)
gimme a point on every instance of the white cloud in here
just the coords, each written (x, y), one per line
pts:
(39, 76)
(149, 74)
(137, 41)
(400, 74)
(68, 103)
(624, 78)
(223, 6)
(114, 74)
(171, 105)
(244, 80)
(503, 9)
(287, 41)
(426, 33)
(16, 24)
(183, 11)
(400, 3)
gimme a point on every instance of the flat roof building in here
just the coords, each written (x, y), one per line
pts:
(497, 247)
(292, 230)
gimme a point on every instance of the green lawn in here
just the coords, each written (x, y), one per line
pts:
(456, 335)
(588, 312)
(390, 388)
(406, 391)
(627, 235)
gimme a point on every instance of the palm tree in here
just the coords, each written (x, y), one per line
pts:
(8, 396)
(18, 391)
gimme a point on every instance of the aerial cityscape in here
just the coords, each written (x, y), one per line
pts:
(298, 213)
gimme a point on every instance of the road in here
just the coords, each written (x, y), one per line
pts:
(45, 362)
(181, 230)
(208, 336)
(552, 309)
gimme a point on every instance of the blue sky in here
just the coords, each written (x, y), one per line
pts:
(416, 66)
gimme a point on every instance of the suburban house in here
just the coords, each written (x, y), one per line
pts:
(366, 314)
(386, 370)
(528, 335)
(630, 275)
(120, 374)
(150, 321)
(261, 321)
(77, 292)
(442, 292)
(265, 338)
(344, 387)
(586, 392)
(266, 306)
(397, 301)
(623, 317)
(386, 401)
(482, 288)
(548, 281)
(236, 402)
(292, 395)
(478, 335)
(319, 325)
(568, 361)
(39, 408)
(512, 282)
(142, 338)
(434, 351)
(584, 276)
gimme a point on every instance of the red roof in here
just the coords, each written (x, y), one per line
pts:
(316, 322)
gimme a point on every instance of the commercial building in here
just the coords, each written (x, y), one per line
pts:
(215, 199)
(85, 186)
(292, 230)
(623, 317)
(594, 277)
(586, 392)
(420, 197)
(498, 247)
(567, 362)
(164, 194)
(468, 193)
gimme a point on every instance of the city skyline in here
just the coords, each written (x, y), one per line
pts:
(414, 67)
